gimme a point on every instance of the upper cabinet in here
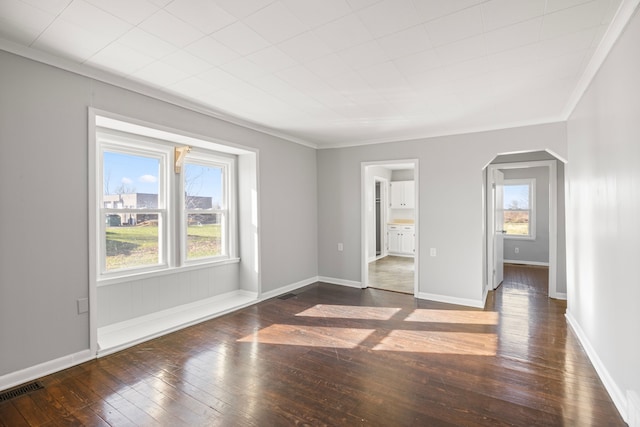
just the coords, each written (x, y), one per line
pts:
(403, 195)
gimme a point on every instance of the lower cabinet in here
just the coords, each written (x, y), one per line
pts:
(402, 239)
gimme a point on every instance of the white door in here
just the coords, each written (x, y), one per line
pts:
(498, 234)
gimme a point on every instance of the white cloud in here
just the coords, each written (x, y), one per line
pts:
(126, 180)
(148, 178)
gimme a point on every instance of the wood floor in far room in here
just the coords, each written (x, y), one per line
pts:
(341, 356)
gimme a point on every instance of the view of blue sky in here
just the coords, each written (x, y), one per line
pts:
(134, 174)
(203, 181)
(516, 196)
(139, 174)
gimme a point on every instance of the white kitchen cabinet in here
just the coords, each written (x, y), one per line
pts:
(403, 195)
(401, 239)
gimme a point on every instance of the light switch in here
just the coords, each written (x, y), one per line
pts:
(432, 251)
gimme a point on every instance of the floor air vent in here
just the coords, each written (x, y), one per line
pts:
(287, 296)
(19, 391)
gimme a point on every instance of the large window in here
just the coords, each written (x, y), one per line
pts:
(519, 208)
(153, 215)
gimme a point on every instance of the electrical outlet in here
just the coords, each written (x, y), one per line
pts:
(432, 251)
(517, 250)
(340, 247)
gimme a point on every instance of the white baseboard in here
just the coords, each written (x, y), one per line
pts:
(451, 300)
(121, 335)
(617, 395)
(560, 295)
(633, 409)
(34, 372)
(520, 262)
(402, 255)
(376, 258)
(485, 294)
(288, 288)
(334, 281)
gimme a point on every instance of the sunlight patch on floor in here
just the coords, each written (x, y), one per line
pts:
(454, 316)
(350, 312)
(459, 343)
(309, 336)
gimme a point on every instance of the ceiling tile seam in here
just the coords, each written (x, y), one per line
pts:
(50, 23)
(484, 30)
(452, 13)
(420, 24)
(254, 12)
(565, 8)
(137, 26)
(47, 11)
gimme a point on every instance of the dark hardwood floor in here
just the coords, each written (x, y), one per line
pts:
(345, 357)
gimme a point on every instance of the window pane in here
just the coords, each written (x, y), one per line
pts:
(516, 196)
(130, 181)
(204, 238)
(203, 187)
(131, 240)
(516, 222)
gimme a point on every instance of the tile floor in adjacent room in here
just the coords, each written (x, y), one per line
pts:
(392, 273)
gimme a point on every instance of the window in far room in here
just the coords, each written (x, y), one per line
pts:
(519, 208)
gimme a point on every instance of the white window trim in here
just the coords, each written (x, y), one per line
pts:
(531, 182)
(170, 204)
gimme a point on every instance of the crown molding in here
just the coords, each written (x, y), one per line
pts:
(444, 133)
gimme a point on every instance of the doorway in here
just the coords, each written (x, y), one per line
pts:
(517, 241)
(390, 226)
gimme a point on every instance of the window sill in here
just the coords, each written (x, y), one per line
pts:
(164, 272)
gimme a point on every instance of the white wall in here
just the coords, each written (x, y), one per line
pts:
(44, 183)
(451, 207)
(603, 212)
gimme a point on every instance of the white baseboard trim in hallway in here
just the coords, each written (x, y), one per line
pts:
(633, 409)
(288, 288)
(519, 262)
(617, 395)
(342, 282)
(451, 300)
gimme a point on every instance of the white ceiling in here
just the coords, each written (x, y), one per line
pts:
(334, 72)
